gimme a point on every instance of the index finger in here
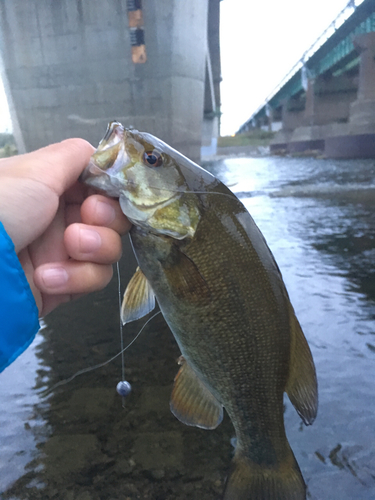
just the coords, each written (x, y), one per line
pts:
(59, 165)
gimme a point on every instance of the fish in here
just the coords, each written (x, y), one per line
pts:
(205, 261)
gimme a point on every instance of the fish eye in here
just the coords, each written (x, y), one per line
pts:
(152, 158)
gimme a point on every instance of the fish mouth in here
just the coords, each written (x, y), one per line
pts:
(114, 134)
(101, 180)
(104, 169)
(90, 172)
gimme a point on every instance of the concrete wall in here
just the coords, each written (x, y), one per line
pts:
(69, 68)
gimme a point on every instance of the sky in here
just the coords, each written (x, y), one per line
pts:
(261, 40)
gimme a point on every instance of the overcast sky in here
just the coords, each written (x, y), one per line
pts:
(260, 42)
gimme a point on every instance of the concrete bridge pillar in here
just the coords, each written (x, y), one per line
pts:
(328, 99)
(357, 139)
(363, 109)
(69, 69)
(309, 114)
(291, 114)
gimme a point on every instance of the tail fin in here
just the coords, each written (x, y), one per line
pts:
(249, 481)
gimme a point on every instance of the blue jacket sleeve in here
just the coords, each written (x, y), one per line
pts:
(18, 312)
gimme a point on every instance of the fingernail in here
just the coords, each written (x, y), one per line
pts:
(105, 213)
(54, 277)
(89, 240)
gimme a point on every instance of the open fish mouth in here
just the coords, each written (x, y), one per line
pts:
(103, 180)
(114, 134)
(91, 171)
(104, 171)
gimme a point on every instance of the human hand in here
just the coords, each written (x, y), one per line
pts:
(65, 240)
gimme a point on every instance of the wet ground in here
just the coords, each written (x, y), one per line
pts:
(79, 443)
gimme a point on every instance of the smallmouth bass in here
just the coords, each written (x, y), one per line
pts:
(221, 292)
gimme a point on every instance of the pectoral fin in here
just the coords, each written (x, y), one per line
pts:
(191, 402)
(139, 299)
(185, 278)
(302, 387)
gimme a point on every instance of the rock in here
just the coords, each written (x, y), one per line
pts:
(85, 495)
(157, 474)
(69, 495)
(68, 454)
(89, 404)
(156, 451)
(155, 398)
(124, 466)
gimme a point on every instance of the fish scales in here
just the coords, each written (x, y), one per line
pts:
(222, 295)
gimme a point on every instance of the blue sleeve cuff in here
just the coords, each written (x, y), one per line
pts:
(18, 311)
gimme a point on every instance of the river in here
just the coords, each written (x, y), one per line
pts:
(79, 443)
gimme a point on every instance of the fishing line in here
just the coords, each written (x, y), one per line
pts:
(121, 325)
(232, 195)
(123, 387)
(100, 365)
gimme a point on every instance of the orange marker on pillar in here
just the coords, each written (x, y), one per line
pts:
(137, 34)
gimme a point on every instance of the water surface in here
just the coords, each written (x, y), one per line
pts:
(78, 443)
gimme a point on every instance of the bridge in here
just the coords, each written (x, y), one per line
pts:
(70, 66)
(326, 103)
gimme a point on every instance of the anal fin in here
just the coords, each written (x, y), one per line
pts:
(139, 299)
(192, 402)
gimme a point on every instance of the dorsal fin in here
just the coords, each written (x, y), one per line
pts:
(192, 402)
(139, 299)
(302, 387)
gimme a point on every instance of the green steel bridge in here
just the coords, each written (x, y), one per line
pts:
(330, 56)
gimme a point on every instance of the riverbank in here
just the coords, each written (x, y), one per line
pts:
(252, 144)
(246, 150)
(7, 145)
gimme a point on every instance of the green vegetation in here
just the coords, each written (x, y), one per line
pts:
(255, 137)
(7, 145)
